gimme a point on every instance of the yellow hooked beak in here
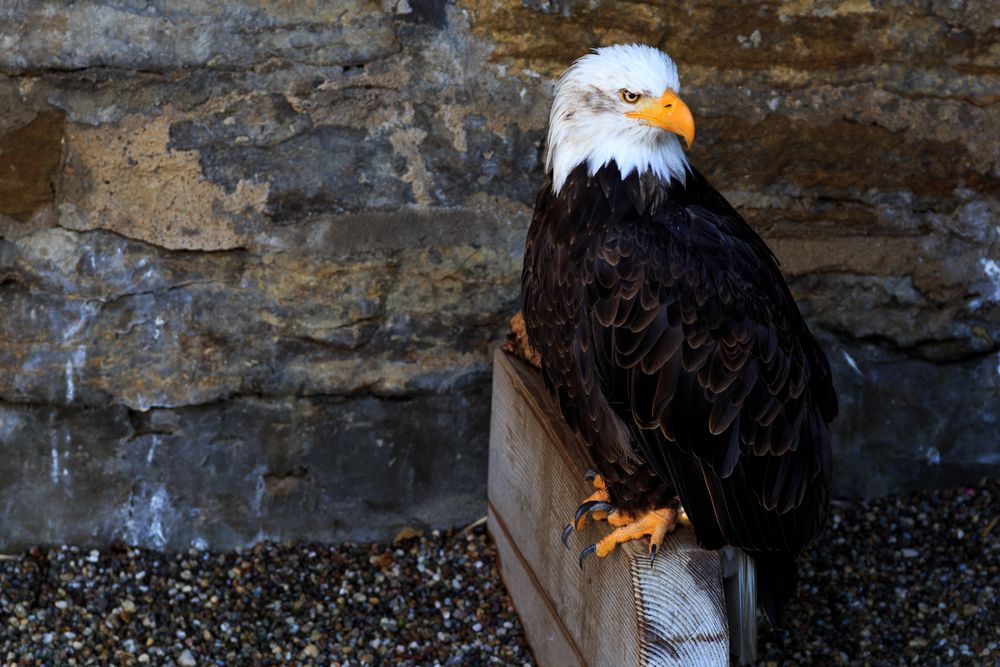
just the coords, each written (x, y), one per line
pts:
(668, 112)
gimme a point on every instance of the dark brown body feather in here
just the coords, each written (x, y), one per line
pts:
(677, 352)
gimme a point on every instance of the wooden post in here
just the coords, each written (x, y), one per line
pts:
(619, 611)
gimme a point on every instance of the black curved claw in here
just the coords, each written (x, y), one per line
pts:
(567, 531)
(590, 475)
(586, 552)
(583, 509)
(652, 553)
(602, 506)
(592, 506)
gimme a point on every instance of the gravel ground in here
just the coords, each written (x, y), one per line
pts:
(426, 601)
(903, 580)
(909, 580)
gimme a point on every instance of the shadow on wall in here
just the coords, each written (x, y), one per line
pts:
(253, 262)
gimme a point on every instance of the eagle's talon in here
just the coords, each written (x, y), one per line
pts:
(590, 507)
(590, 504)
(581, 512)
(580, 518)
(567, 531)
(652, 552)
(603, 507)
(586, 552)
(590, 475)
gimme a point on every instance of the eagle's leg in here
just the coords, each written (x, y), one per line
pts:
(655, 524)
(517, 341)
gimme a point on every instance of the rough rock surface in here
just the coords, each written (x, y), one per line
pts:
(254, 256)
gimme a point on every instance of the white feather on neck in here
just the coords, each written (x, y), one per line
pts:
(587, 122)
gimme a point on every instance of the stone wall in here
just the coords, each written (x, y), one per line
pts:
(254, 256)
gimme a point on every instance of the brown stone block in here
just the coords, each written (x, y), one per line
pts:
(549, 41)
(749, 35)
(29, 159)
(835, 159)
(754, 35)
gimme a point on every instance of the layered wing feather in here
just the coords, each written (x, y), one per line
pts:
(705, 352)
(658, 311)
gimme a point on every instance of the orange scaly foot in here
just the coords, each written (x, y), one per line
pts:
(655, 524)
(517, 341)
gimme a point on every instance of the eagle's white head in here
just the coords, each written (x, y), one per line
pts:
(619, 103)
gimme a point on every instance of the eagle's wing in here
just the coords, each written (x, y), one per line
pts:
(701, 349)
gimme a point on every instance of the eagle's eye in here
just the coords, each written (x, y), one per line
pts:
(628, 97)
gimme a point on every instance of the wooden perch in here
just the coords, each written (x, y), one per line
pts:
(619, 611)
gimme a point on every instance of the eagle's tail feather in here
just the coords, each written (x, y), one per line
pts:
(777, 579)
(740, 572)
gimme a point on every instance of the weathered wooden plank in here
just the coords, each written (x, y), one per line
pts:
(550, 639)
(619, 611)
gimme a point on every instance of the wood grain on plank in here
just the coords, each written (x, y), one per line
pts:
(620, 611)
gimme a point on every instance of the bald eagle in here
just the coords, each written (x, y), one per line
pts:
(667, 333)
